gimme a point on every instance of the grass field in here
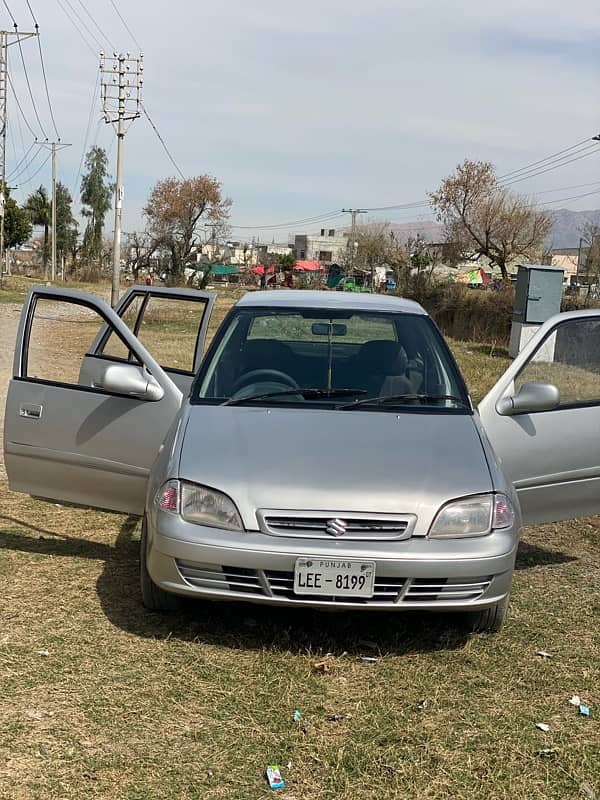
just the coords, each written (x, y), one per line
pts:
(101, 699)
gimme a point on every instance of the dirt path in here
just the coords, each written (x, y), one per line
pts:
(9, 320)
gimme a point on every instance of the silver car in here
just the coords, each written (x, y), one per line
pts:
(324, 452)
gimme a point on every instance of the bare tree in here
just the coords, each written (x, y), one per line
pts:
(482, 218)
(590, 261)
(176, 211)
(141, 248)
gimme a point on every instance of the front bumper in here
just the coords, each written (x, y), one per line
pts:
(418, 573)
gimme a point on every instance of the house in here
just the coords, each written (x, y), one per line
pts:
(329, 247)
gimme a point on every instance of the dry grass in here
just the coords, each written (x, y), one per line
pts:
(129, 705)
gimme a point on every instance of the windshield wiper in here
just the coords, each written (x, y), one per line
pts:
(307, 394)
(390, 398)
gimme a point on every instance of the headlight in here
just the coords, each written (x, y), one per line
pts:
(473, 516)
(200, 505)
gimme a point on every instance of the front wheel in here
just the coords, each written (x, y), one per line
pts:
(153, 597)
(486, 620)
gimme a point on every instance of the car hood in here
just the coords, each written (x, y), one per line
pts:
(327, 460)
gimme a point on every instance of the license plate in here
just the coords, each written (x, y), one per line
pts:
(334, 578)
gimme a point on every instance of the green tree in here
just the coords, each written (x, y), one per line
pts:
(287, 261)
(17, 223)
(40, 210)
(66, 226)
(96, 196)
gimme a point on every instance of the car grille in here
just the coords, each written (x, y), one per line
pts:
(441, 589)
(279, 584)
(318, 525)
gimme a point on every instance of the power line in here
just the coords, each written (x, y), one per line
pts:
(85, 25)
(37, 30)
(306, 221)
(555, 163)
(552, 168)
(24, 158)
(77, 28)
(37, 116)
(32, 14)
(17, 173)
(98, 28)
(46, 84)
(25, 120)
(565, 188)
(26, 180)
(87, 130)
(542, 160)
(41, 166)
(574, 197)
(162, 141)
(10, 14)
(126, 26)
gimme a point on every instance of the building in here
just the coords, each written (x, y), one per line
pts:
(329, 247)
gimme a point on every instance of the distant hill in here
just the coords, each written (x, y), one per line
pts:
(568, 225)
(566, 231)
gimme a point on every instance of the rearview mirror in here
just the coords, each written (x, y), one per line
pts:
(131, 380)
(530, 397)
(323, 329)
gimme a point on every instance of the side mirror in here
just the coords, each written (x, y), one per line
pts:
(530, 397)
(132, 380)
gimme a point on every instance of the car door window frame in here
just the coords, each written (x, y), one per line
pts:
(74, 297)
(505, 385)
(543, 341)
(185, 295)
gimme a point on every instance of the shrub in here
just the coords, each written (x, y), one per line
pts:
(469, 314)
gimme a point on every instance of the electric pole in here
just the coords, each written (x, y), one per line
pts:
(5, 43)
(53, 146)
(122, 82)
(354, 212)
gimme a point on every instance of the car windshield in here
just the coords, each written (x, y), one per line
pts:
(330, 358)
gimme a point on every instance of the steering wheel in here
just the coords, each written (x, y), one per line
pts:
(262, 376)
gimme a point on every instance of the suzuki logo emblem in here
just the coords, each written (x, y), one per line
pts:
(336, 527)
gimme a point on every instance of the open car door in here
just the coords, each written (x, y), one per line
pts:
(543, 419)
(170, 323)
(83, 426)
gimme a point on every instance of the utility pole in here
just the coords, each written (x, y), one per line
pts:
(354, 212)
(54, 146)
(122, 82)
(5, 43)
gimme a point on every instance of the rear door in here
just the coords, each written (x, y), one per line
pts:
(171, 323)
(66, 436)
(552, 456)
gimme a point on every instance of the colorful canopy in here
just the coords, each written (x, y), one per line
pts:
(309, 266)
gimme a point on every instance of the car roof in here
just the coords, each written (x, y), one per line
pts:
(299, 298)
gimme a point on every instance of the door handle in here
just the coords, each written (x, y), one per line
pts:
(30, 411)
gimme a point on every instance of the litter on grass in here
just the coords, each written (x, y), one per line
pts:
(548, 752)
(422, 705)
(543, 654)
(543, 726)
(297, 715)
(588, 791)
(584, 710)
(42, 652)
(274, 777)
(575, 700)
(368, 659)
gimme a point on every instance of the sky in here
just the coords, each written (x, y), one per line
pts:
(301, 109)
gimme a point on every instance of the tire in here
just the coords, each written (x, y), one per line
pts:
(153, 597)
(487, 620)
